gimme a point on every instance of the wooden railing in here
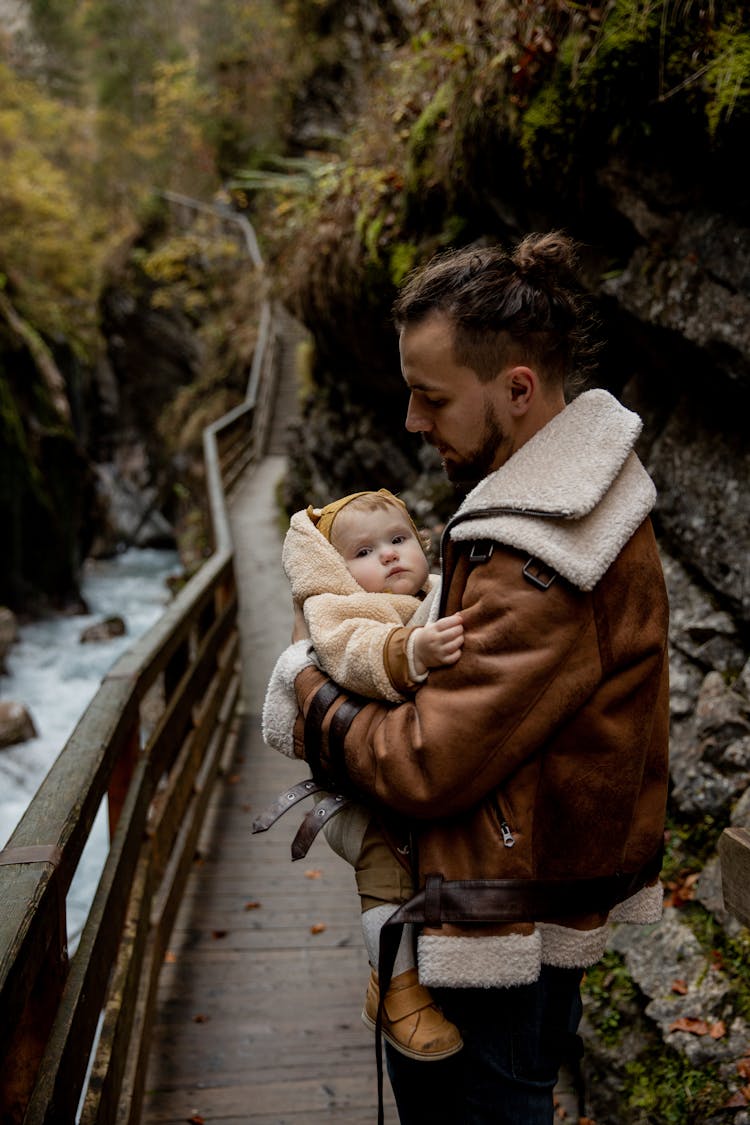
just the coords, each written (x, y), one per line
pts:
(74, 1032)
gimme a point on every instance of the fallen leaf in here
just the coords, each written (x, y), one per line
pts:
(233, 779)
(318, 928)
(313, 873)
(694, 1026)
(169, 958)
(246, 808)
(681, 889)
(743, 1067)
(680, 986)
(717, 1030)
(738, 1099)
(252, 906)
(218, 934)
(200, 1018)
(586, 1121)
(196, 1119)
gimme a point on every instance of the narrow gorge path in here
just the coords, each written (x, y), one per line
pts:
(262, 989)
(261, 992)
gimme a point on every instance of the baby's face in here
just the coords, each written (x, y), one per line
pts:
(380, 550)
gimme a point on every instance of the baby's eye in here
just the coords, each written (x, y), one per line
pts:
(362, 552)
(399, 539)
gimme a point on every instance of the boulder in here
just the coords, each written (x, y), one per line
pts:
(16, 724)
(103, 630)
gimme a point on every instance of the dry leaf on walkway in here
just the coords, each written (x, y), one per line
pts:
(680, 986)
(717, 1030)
(196, 1119)
(200, 1018)
(313, 873)
(318, 928)
(252, 906)
(743, 1067)
(219, 934)
(169, 958)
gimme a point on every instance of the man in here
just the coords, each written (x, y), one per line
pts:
(532, 774)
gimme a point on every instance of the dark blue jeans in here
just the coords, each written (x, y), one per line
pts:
(515, 1040)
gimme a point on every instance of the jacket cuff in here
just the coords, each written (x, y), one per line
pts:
(398, 660)
(327, 712)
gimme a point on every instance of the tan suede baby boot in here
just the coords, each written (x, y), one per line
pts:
(412, 1021)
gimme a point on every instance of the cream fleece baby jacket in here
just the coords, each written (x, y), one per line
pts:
(349, 627)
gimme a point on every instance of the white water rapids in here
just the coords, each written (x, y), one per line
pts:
(55, 677)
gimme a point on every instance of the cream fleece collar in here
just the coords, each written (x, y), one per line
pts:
(574, 493)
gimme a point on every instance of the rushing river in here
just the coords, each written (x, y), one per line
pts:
(56, 677)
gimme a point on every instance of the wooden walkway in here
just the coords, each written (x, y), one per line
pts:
(261, 992)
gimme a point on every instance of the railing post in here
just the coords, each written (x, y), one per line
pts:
(122, 774)
(20, 1066)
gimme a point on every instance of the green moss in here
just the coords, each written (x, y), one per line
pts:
(688, 845)
(730, 955)
(609, 992)
(728, 77)
(659, 1086)
(425, 127)
(663, 1088)
(403, 258)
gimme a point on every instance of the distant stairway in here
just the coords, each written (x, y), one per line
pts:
(290, 334)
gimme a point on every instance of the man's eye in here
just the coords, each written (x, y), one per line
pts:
(435, 402)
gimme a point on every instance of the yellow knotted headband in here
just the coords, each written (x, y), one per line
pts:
(323, 517)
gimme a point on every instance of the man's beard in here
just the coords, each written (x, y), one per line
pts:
(477, 463)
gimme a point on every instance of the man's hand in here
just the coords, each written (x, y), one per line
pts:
(438, 644)
(300, 632)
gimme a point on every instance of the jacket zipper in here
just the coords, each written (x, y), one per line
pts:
(508, 838)
(506, 831)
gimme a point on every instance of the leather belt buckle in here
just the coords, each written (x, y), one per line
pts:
(539, 574)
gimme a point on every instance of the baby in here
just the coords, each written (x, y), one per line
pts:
(359, 578)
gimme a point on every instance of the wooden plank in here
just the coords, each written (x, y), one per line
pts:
(248, 1101)
(734, 854)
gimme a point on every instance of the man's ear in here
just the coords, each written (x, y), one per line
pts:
(522, 384)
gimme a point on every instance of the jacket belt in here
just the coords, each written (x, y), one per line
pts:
(519, 900)
(284, 801)
(315, 819)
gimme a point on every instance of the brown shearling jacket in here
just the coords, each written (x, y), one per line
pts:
(542, 753)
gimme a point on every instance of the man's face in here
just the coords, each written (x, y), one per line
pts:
(464, 419)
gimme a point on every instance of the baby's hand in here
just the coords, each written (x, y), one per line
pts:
(439, 643)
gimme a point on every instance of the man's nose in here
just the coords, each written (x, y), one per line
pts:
(416, 422)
